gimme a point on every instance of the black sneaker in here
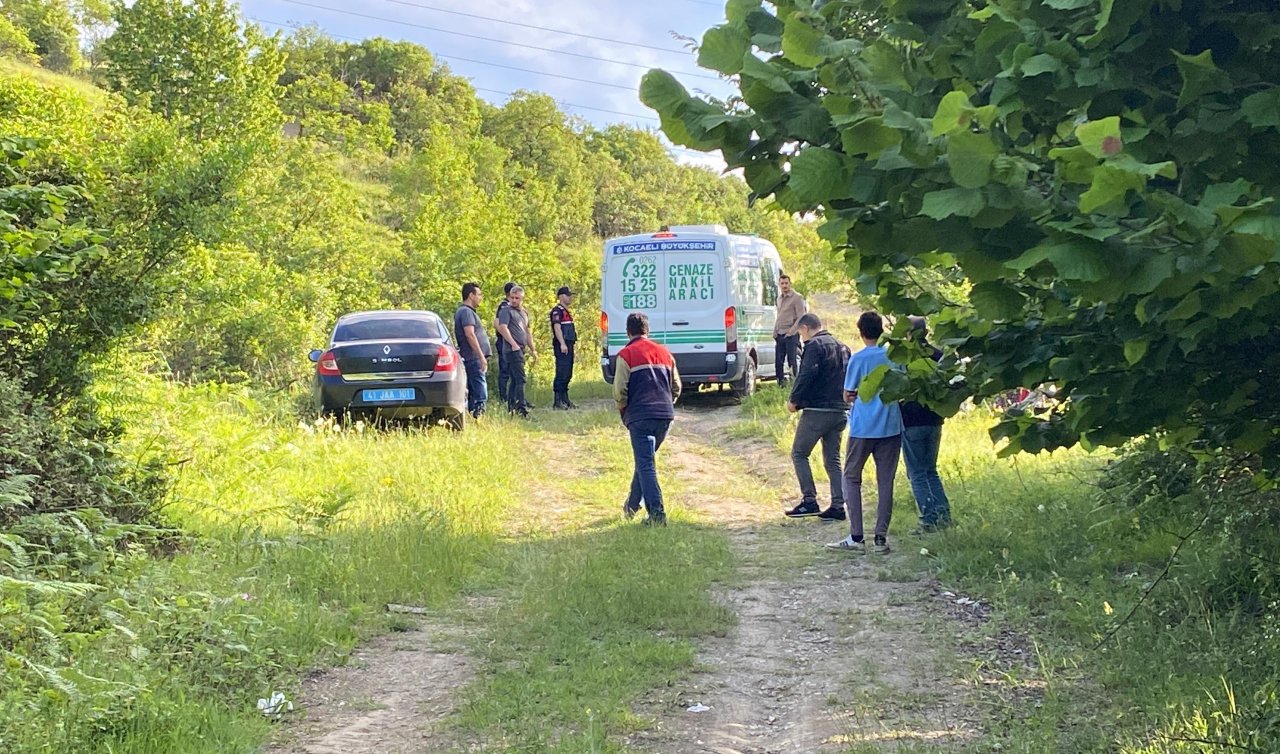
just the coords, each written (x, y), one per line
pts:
(658, 520)
(805, 509)
(628, 512)
(833, 514)
(881, 546)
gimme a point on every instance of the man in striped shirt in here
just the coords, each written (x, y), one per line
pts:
(646, 386)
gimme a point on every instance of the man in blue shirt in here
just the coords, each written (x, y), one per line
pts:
(875, 431)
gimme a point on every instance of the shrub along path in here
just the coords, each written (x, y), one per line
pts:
(612, 632)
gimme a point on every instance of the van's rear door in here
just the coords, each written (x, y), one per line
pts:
(630, 285)
(695, 294)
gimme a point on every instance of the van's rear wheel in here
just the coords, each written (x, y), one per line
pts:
(747, 385)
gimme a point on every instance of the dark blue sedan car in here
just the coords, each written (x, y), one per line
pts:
(391, 364)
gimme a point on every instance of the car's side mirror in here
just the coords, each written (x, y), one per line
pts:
(315, 355)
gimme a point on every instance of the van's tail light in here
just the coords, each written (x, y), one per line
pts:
(664, 234)
(604, 323)
(327, 365)
(731, 329)
(446, 359)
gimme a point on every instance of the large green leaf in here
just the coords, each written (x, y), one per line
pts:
(969, 156)
(954, 114)
(997, 301)
(1134, 350)
(802, 42)
(1267, 226)
(819, 174)
(869, 137)
(756, 72)
(1240, 252)
(661, 91)
(1075, 259)
(1199, 76)
(1075, 164)
(1101, 138)
(723, 49)
(1126, 163)
(960, 202)
(766, 31)
(737, 11)
(1040, 64)
(1262, 109)
(870, 386)
(1110, 185)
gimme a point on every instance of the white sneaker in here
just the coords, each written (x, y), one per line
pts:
(848, 545)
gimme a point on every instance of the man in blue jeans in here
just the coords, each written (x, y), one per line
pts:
(921, 439)
(473, 347)
(646, 386)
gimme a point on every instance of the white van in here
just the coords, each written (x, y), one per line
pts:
(711, 298)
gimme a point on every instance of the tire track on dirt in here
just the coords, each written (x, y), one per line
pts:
(392, 697)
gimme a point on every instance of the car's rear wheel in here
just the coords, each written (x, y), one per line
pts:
(455, 420)
(747, 385)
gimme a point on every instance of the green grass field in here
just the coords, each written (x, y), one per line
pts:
(1064, 564)
(297, 533)
(300, 532)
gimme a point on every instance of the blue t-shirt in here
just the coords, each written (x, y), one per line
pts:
(873, 418)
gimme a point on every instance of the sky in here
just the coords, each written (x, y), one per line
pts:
(635, 32)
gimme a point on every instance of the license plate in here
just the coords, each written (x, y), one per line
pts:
(389, 396)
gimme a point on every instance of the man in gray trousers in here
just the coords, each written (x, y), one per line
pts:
(875, 431)
(818, 394)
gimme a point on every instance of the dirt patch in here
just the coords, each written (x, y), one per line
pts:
(392, 697)
(829, 651)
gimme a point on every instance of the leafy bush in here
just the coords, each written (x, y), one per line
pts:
(15, 43)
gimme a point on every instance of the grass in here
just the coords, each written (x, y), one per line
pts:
(299, 532)
(1063, 563)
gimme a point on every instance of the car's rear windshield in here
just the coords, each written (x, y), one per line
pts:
(387, 328)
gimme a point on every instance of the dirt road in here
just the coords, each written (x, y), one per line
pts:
(830, 652)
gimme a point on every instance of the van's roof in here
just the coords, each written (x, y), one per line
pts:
(683, 231)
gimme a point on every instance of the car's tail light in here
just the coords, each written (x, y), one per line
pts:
(446, 359)
(327, 365)
(731, 329)
(604, 323)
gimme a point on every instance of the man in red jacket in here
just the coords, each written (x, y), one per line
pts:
(646, 386)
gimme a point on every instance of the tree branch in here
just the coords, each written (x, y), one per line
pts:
(1182, 540)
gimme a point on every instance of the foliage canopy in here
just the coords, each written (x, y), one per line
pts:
(1104, 175)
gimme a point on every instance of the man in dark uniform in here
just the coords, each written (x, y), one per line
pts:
(504, 378)
(564, 336)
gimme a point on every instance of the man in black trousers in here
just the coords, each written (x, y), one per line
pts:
(564, 337)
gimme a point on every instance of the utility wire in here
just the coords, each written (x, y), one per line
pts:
(471, 60)
(562, 103)
(477, 88)
(422, 6)
(570, 104)
(494, 39)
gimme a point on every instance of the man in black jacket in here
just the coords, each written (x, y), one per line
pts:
(818, 394)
